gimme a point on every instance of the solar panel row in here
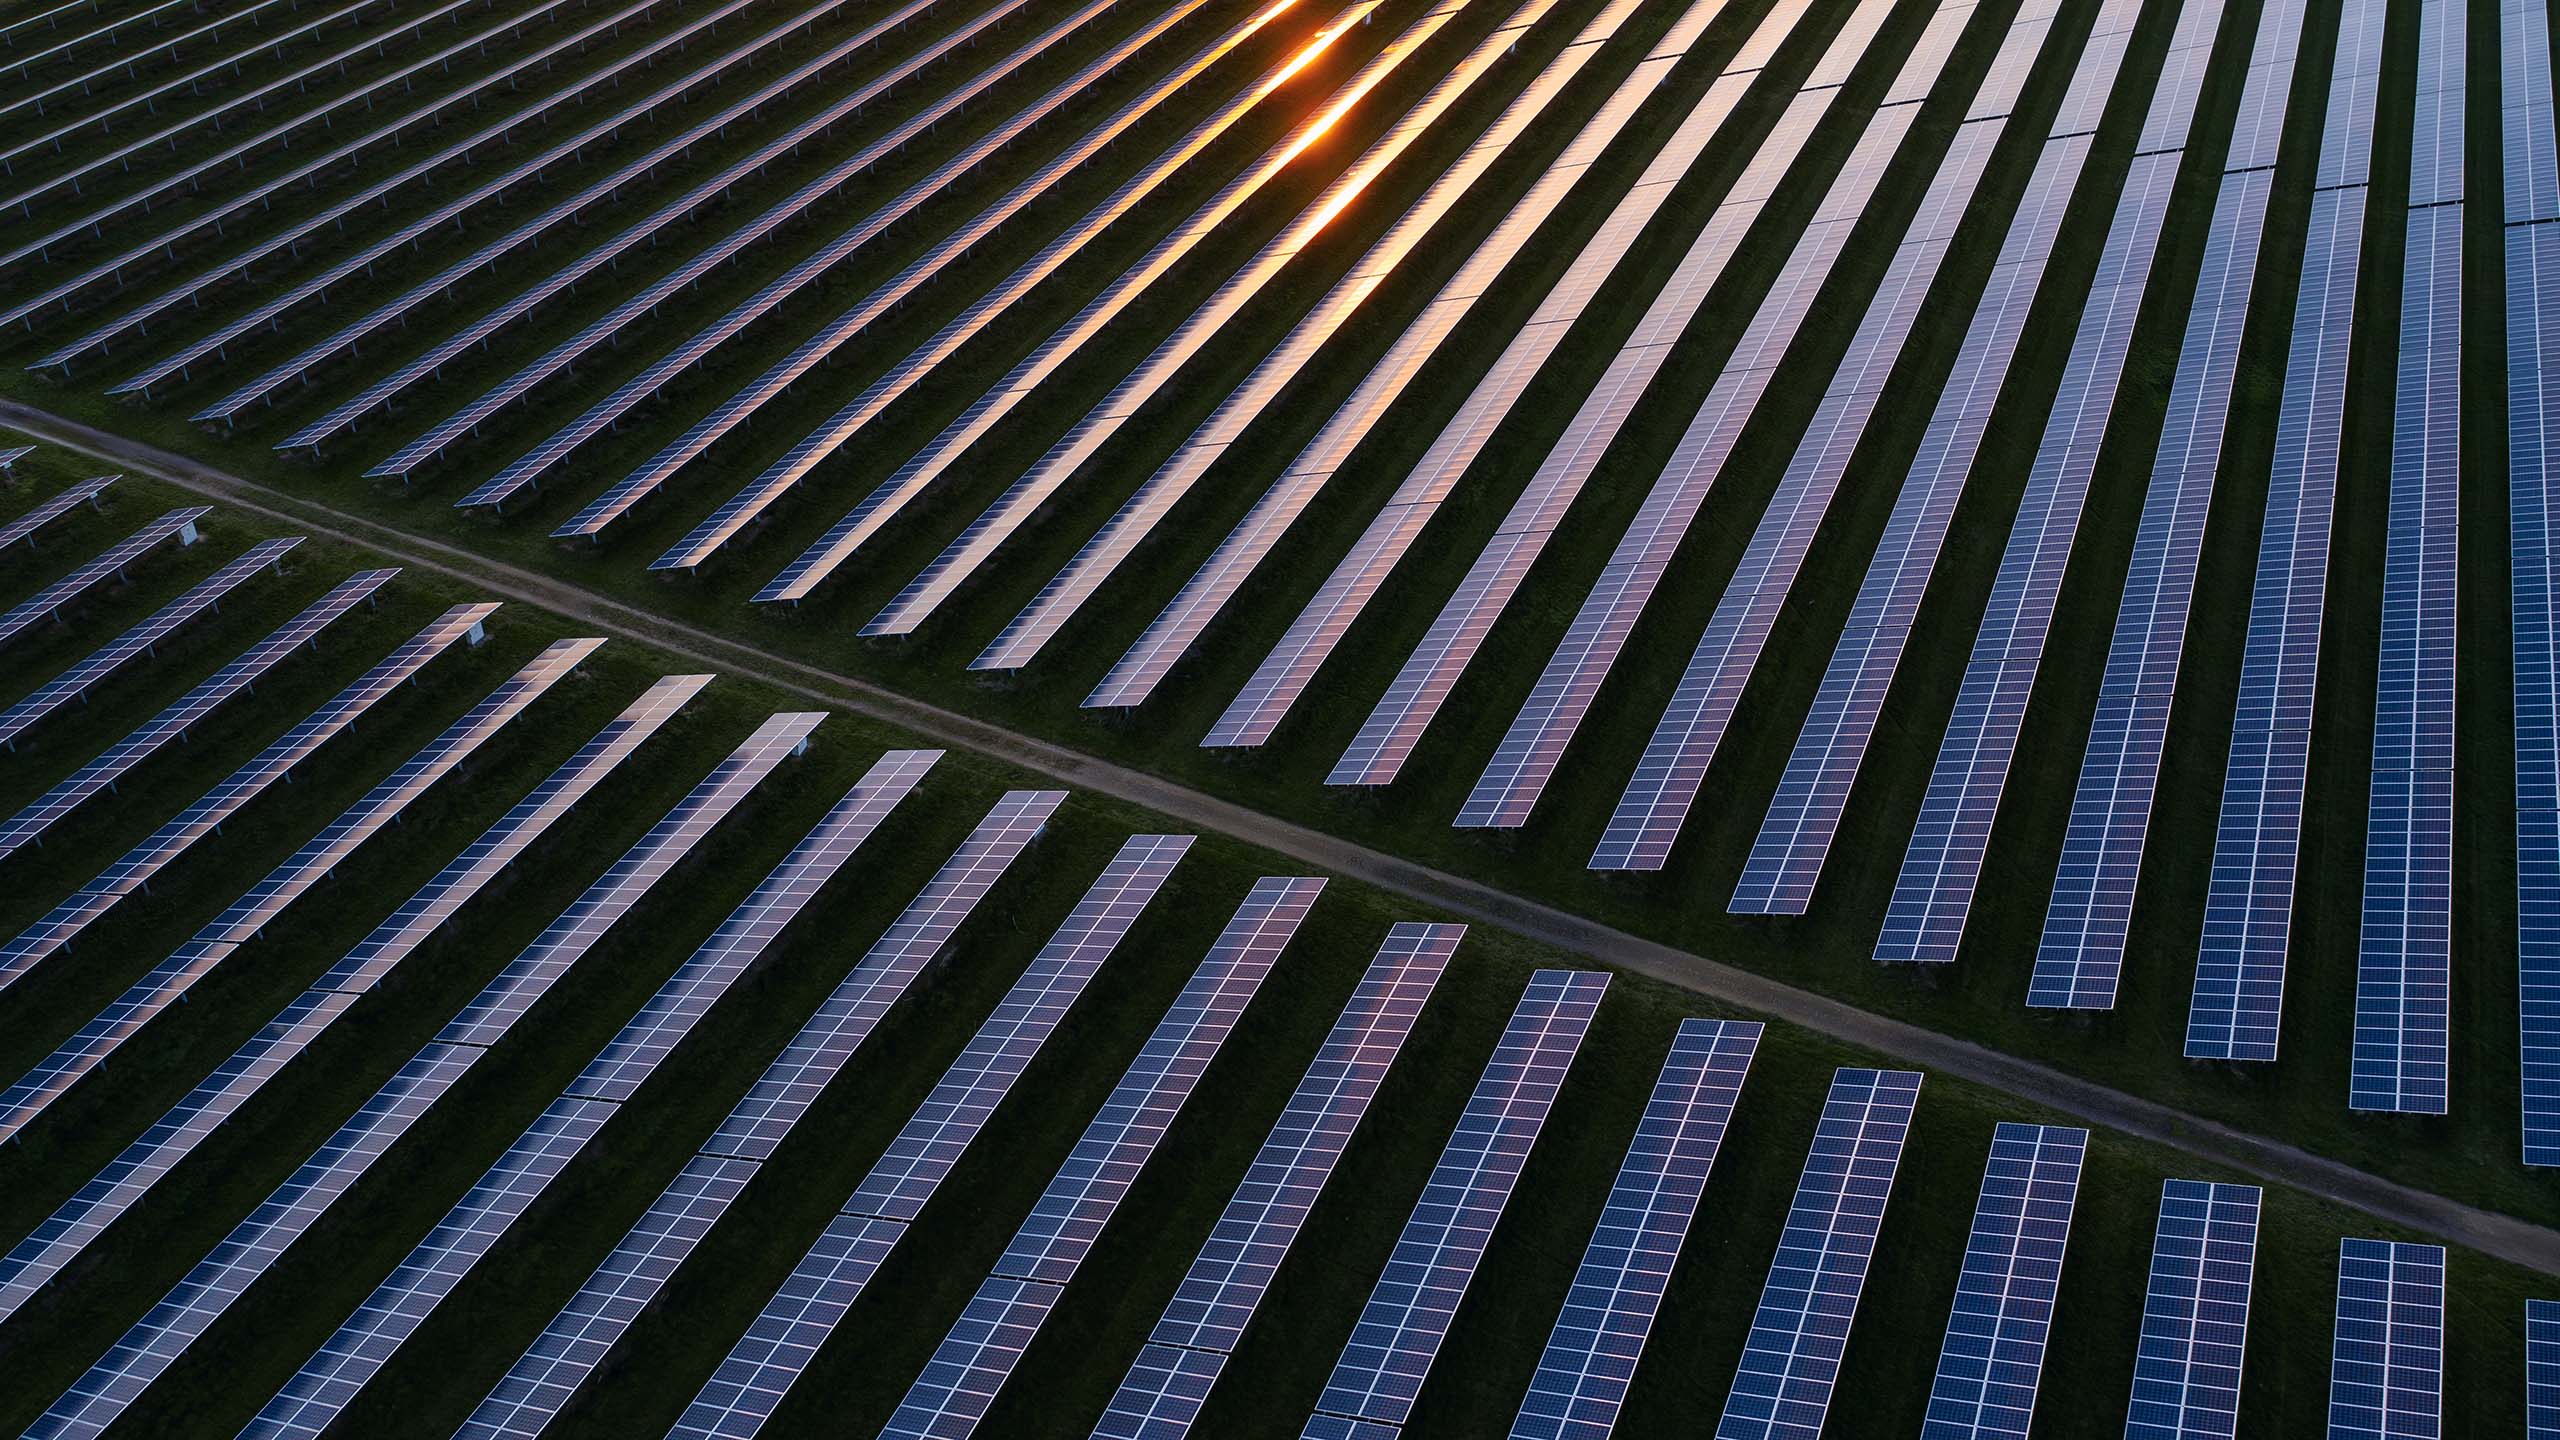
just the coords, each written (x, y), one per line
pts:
(702, 434)
(960, 1383)
(337, 1373)
(1407, 1316)
(1924, 922)
(2533, 393)
(201, 818)
(185, 712)
(527, 469)
(178, 525)
(568, 1351)
(123, 1182)
(1804, 816)
(168, 982)
(2404, 961)
(1169, 1383)
(2237, 1004)
(164, 1334)
(1993, 1359)
(935, 460)
(75, 683)
(749, 1385)
(732, 516)
(1396, 723)
(1591, 1357)
(2386, 1375)
(288, 242)
(359, 263)
(2541, 1369)
(53, 507)
(1656, 801)
(2195, 1313)
(1138, 515)
(1791, 1361)
(1153, 654)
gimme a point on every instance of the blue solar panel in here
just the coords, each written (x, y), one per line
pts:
(1591, 1357)
(23, 526)
(2195, 1314)
(2533, 399)
(175, 1135)
(2542, 1369)
(180, 1318)
(2386, 1374)
(960, 1382)
(2524, 93)
(1792, 1359)
(1408, 1315)
(548, 1375)
(1161, 1397)
(2405, 957)
(1993, 1359)
(178, 525)
(743, 1393)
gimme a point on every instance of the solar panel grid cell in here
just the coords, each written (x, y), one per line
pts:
(1791, 1360)
(1993, 1358)
(2195, 1313)
(1591, 1357)
(1408, 1315)
(2386, 1377)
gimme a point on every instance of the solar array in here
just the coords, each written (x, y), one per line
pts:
(180, 1318)
(1942, 865)
(744, 1392)
(123, 1182)
(1591, 1358)
(24, 525)
(1993, 1358)
(2195, 1314)
(2542, 1369)
(1383, 1365)
(332, 1378)
(575, 1343)
(960, 1383)
(2533, 384)
(1170, 1381)
(2404, 961)
(2386, 1377)
(2080, 956)
(1791, 1361)
(178, 525)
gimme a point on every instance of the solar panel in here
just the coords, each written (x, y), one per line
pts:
(76, 682)
(1138, 515)
(168, 982)
(743, 1393)
(2533, 367)
(124, 1181)
(1387, 737)
(2404, 959)
(1591, 1357)
(12, 454)
(61, 502)
(1656, 801)
(360, 262)
(2195, 1313)
(646, 299)
(732, 516)
(184, 713)
(338, 1372)
(2524, 94)
(959, 1384)
(1993, 1358)
(2239, 994)
(320, 218)
(2386, 1374)
(1407, 1316)
(549, 1373)
(1160, 1399)
(2541, 1369)
(178, 525)
(2080, 957)
(65, 921)
(164, 1334)
(1067, 341)
(1225, 571)
(1792, 1358)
